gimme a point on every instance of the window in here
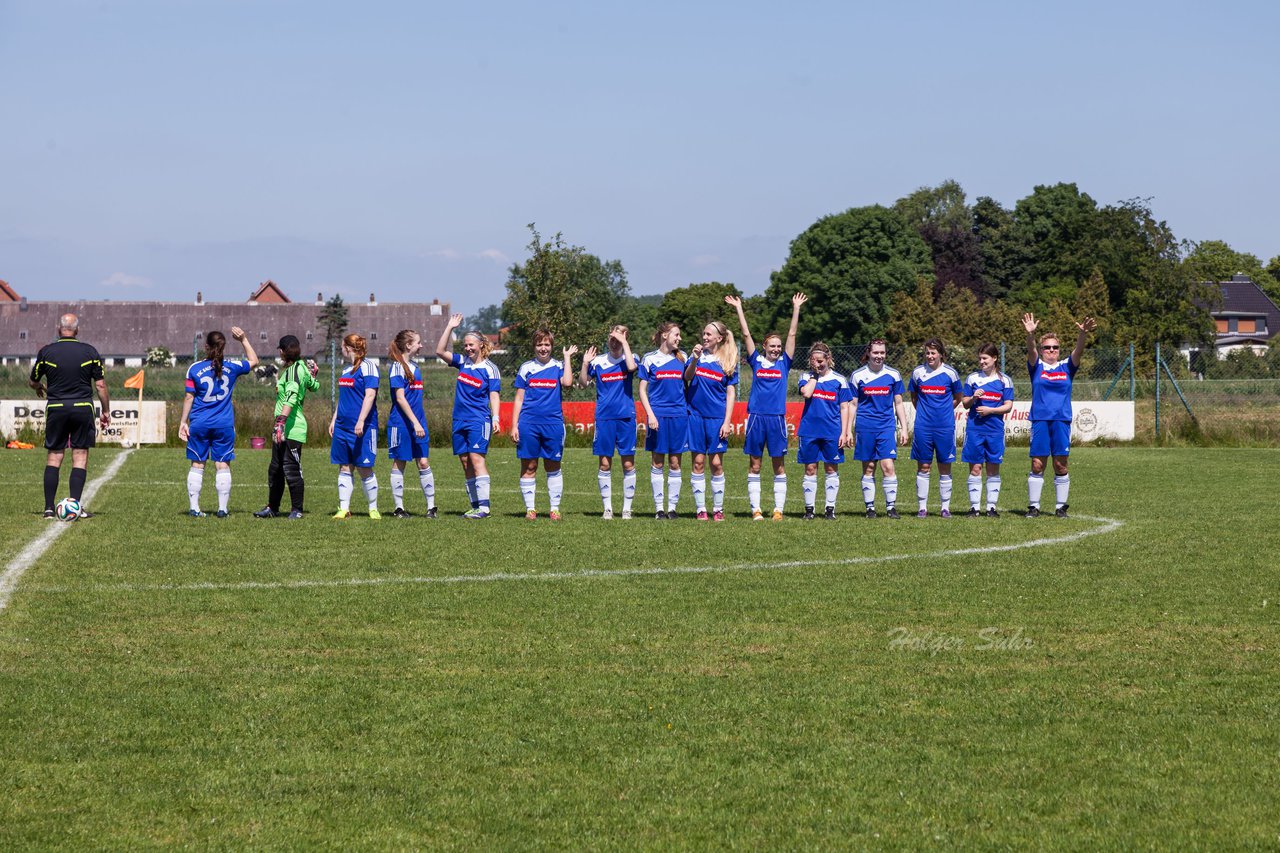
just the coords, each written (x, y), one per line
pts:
(1247, 326)
(1222, 326)
(309, 335)
(22, 336)
(1231, 325)
(374, 336)
(262, 336)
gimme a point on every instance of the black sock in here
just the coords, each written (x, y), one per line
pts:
(50, 486)
(77, 483)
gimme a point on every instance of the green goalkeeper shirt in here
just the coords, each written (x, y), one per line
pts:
(291, 389)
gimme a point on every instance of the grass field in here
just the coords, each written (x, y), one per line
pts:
(1110, 680)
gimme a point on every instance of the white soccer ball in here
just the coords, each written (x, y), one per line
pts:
(68, 509)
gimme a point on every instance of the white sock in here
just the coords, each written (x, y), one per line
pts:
(869, 489)
(528, 491)
(555, 488)
(604, 479)
(717, 491)
(427, 479)
(698, 482)
(810, 487)
(222, 482)
(397, 487)
(922, 490)
(482, 491)
(753, 491)
(628, 489)
(370, 484)
(833, 488)
(1061, 487)
(673, 490)
(993, 492)
(975, 490)
(195, 482)
(779, 490)
(944, 490)
(1035, 485)
(656, 481)
(346, 485)
(890, 486)
(471, 492)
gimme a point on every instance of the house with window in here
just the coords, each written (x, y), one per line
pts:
(1244, 318)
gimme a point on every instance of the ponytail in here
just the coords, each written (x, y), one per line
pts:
(358, 347)
(214, 345)
(396, 352)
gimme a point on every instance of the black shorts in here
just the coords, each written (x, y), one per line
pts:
(71, 422)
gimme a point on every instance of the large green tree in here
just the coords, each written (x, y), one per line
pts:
(564, 289)
(1215, 260)
(694, 306)
(851, 265)
(946, 223)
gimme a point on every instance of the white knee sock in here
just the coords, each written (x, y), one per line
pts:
(975, 491)
(555, 488)
(482, 491)
(717, 491)
(628, 489)
(673, 490)
(604, 479)
(1035, 485)
(698, 482)
(993, 492)
(397, 487)
(810, 487)
(753, 491)
(656, 482)
(922, 490)
(779, 490)
(346, 485)
(869, 489)
(833, 488)
(195, 483)
(222, 482)
(427, 479)
(471, 492)
(890, 486)
(528, 491)
(370, 484)
(1061, 487)
(944, 490)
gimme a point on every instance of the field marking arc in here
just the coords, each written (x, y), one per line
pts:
(35, 549)
(1105, 525)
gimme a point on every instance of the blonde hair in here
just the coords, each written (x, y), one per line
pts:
(358, 346)
(485, 346)
(822, 348)
(661, 333)
(727, 350)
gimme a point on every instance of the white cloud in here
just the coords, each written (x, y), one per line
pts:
(704, 260)
(122, 279)
(496, 256)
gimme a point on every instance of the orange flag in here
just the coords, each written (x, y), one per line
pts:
(136, 380)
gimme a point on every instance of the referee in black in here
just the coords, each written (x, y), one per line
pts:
(72, 369)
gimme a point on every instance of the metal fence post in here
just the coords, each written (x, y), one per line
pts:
(1002, 370)
(333, 373)
(1133, 382)
(1157, 392)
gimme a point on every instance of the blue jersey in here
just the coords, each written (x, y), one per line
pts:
(541, 384)
(476, 381)
(821, 418)
(875, 393)
(994, 390)
(768, 384)
(211, 395)
(614, 399)
(412, 387)
(352, 384)
(665, 375)
(709, 389)
(1051, 390)
(935, 400)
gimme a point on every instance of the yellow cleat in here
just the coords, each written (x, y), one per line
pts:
(374, 515)
(341, 515)
(777, 515)
(531, 516)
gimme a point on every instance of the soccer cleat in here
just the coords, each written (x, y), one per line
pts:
(660, 515)
(871, 512)
(478, 514)
(265, 512)
(972, 513)
(830, 514)
(432, 513)
(808, 514)
(374, 515)
(946, 513)
(50, 514)
(294, 514)
(222, 513)
(530, 515)
(400, 512)
(718, 515)
(1061, 512)
(757, 515)
(924, 513)
(991, 513)
(702, 515)
(777, 515)
(626, 515)
(892, 512)
(671, 515)
(607, 515)
(1033, 512)
(555, 515)
(341, 515)
(84, 513)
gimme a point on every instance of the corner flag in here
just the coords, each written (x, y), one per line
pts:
(136, 380)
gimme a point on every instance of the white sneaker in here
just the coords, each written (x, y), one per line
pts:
(608, 514)
(626, 514)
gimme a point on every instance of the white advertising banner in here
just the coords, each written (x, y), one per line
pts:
(1091, 419)
(130, 422)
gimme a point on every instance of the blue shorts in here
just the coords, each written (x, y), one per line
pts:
(1050, 438)
(766, 433)
(541, 441)
(871, 446)
(348, 449)
(211, 442)
(927, 443)
(472, 438)
(983, 447)
(403, 445)
(813, 450)
(671, 436)
(704, 435)
(615, 434)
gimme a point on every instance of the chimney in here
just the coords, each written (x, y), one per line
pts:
(252, 294)
(437, 309)
(372, 299)
(199, 297)
(319, 298)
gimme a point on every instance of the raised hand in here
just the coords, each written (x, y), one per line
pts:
(237, 333)
(1030, 323)
(799, 299)
(591, 353)
(735, 301)
(1087, 325)
(455, 320)
(697, 351)
(570, 351)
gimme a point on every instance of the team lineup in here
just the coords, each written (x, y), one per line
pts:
(687, 401)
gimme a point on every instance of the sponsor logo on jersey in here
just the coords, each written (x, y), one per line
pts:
(1055, 376)
(769, 374)
(992, 396)
(933, 389)
(876, 390)
(668, 374)
(825, 395)
(706, 373)
(415, 385)
(543, 383)
(468, 379)
(347, 382)
(611, 377)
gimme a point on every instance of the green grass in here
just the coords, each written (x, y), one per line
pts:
(748, 707)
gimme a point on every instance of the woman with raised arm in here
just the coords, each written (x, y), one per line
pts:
(711, 377)
(208, 423)
(407, 423)
(354, 428)
(666, 415)
(615, 415)
(538, 421)
(988, 395)
(767, 406)
(475, 410)
(1051, 410)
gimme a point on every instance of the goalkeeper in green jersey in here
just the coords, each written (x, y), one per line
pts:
(290, 433)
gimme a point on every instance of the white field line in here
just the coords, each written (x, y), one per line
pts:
(1105, 525)
(27, 557)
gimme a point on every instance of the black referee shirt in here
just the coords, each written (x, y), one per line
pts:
(69, 368)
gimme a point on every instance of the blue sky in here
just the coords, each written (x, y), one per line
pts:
(153, 148)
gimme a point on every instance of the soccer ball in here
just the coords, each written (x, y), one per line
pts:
(68, 509)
